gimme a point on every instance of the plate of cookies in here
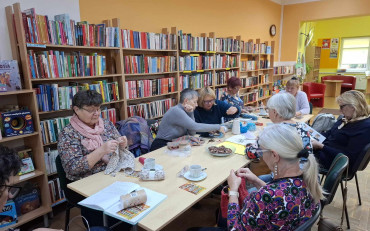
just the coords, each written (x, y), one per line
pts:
(221, 151)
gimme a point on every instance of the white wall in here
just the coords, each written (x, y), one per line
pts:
(43, 7)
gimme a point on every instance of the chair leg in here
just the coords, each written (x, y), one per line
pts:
(345, 205)
(322, 178)
(358, 190)
(68, 211)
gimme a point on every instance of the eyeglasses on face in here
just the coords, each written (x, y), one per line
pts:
(209, 101)
(260, 151)
(12, 190)
(92, 111)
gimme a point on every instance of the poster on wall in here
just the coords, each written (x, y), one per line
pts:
(325, 44)
(334, 44)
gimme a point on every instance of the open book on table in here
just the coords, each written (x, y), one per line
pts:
(108, 201)
(313, 133)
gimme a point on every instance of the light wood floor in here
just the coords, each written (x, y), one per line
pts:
(204, 215)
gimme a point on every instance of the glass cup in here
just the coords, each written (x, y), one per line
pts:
(195, 170)
(149, 163)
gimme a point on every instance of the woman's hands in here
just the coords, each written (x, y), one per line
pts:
(234, 181)
(232, 110)
(122, 141)
(316, 144)
(109, 146)
(247, 174)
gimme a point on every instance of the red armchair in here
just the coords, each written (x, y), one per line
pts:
(315, 93)
(349, 82)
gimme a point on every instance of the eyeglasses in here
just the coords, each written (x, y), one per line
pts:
(261, 151)
(342, 106)
(12, 190)
(209, 101)
(92, 111)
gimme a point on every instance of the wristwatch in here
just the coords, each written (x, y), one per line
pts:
(233, 193)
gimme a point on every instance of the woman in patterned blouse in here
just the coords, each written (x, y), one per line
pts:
(290, 199)
(231, 96)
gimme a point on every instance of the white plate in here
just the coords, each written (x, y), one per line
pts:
(158, 167)
(202, 176)
(223, 154)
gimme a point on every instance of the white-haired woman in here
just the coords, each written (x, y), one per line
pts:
(349, 135)
(281, 109)
(302, 105)
(290, 199)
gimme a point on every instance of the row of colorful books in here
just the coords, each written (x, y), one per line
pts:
(134, 64)
(152, 109)
(109, 114)
(250, 96)
(52, 127)
(196, 81)
(64, 31)
(49, 157)
(255, 48)
(248, 65)
(60, 64)
(56, 192)
(263, 92)
(227, 61)
(52, 97)
(283, 70)
(149, 87)
(191, 43)
(263, 78)
(220, 91)
(227, 45)
(196, 62)
(249, 81)
(264, 63)
(148, 40)
(223, 76)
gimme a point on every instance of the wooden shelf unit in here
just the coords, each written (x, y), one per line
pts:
(312, 56)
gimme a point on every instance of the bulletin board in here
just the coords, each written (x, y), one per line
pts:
(325, 61)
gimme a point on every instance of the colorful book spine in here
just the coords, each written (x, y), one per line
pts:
(149, 64)
(152, 110)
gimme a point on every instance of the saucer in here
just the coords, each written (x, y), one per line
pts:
(202, 176)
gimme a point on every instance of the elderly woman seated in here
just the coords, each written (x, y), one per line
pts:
(281, 109)
(293, 195)
(231, 96)
(211, 111)
(179, 121)
(349, 135)
(302, 106)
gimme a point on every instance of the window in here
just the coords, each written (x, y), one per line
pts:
(355, 54)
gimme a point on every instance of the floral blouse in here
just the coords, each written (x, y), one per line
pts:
(235, 101)
(74, 155)
(252, 150)
(283, 204)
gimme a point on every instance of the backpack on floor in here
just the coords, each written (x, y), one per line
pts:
(323, 122)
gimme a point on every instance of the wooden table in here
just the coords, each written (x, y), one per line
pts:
(178, 200)
(333, 87)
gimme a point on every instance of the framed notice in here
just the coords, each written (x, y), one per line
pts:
(325, 44)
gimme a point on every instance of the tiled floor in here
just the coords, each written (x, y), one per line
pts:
(204, 215)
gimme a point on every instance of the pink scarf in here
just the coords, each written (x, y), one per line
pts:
(93, 139)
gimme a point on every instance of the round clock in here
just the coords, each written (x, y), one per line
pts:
(273, 30)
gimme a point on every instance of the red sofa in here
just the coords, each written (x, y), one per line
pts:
(315, 93)
(349, 82)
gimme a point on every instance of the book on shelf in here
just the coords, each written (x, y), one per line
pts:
(248, 65)
(52, 127)
(249, 81)
(220, 91)
(27, 163)
(149, 87)
(223, 76)
(49, 157)
(109, 114)
(137, 64)
(247, 47)
(59, 64)
(9, 76)
(62, 30)
(152, 109)
(56, 192)
(148, 40)
(196, 80)
(196, 62)
(227, 45)
(227, 61)
(191, 43)
(108, 201)
(282, 70)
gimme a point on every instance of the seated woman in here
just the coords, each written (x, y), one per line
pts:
(211, 111)
(302, 107)
(290, 199)
(349, 135)
(231, 96)
(85, 144)
(281, 109)
(179, 121)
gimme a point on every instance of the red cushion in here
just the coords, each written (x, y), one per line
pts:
(347, 84)
(316, 95)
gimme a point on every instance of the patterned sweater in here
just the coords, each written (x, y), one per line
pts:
(283, 204)
(74, 155)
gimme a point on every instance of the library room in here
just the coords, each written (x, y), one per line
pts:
(208, 115)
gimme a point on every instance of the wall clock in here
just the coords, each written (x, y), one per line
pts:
(273, 30)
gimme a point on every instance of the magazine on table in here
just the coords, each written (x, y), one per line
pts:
(108, 201)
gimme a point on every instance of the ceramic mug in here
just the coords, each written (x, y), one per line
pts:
(195, 170)
(149, 163)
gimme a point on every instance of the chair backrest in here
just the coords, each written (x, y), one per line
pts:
(311, 106)
(334, 176)
(61, 173)
(312, 88)
(345, 78)
(361, 162)
(310, 222)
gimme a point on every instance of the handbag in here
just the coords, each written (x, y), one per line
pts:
(325, 224)
(243, 192)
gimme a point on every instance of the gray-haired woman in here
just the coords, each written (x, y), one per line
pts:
(281, 109)
(290, 199)
(179, 121)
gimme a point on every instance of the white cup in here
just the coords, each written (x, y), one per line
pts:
(149, 163)
(195, 170)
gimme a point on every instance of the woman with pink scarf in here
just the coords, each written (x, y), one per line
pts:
(86, 144)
